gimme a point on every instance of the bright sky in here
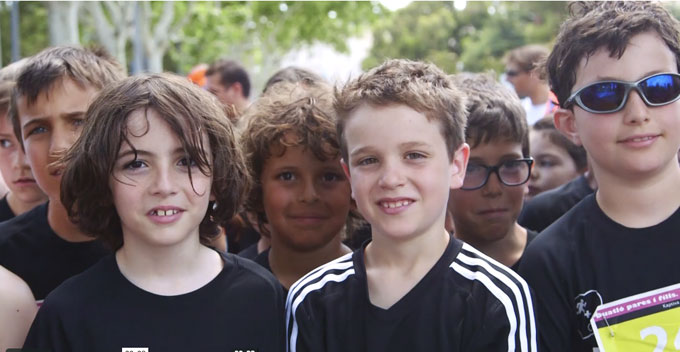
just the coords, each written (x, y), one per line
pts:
(395, 4)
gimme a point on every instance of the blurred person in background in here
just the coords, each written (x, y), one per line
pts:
(520, 64)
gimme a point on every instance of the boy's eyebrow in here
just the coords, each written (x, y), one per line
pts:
(361, 150)
(405, 145)
(142, 152)
(33, 121)
(504, 157)
(609, 78)
(414, 144)
(68, 115)
(74, 114)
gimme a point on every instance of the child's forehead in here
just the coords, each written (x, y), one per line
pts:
(292, 148)
(142, 121)
(645, 53)
(388, 117)
(497, 147)
(64, 96)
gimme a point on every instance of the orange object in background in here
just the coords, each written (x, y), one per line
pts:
(197, 74)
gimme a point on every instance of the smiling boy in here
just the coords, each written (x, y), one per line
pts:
(158, 204)
(413, 287)
(52, 93)
(485, 209)
(301, 191)
(614, 69)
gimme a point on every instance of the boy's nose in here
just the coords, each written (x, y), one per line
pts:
(493, 186)
(19, 160)
(62, 140)
(309, 193)
(635, 111)
(162, 183)
(391, 176)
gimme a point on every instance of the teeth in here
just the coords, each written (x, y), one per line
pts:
(641, 139)
(165, 212)
(397, 204)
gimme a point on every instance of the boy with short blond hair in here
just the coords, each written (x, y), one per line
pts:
(413, 287)
(52, 93)
(614, 69)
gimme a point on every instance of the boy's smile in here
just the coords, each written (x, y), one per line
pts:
(639, 139)
(157, 201)
(400, 170)
(306, 200)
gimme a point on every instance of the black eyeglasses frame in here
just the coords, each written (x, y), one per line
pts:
(495, 169)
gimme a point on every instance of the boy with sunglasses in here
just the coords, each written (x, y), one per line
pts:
(485, 209)
(614, 69)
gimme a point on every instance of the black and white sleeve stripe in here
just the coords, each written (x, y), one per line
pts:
(509, 288)
(335, 271)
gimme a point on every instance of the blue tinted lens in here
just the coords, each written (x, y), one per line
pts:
(661, 89)
(603, 96)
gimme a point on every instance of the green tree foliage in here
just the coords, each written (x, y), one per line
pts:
(32, 29)
(473, 39)
(256, 33)
(260, 33)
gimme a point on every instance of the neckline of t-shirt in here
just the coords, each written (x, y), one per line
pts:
(409, 300)
(58, 240)
(630, 230)
(131, 286)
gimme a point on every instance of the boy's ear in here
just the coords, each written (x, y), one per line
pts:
(459, 165)
(345, 168)
(565, 122)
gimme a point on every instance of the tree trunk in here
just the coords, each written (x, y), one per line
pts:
(63, 22)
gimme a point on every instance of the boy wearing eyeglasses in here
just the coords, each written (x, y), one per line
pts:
(413, 287)
(485, 209)
(614, 69)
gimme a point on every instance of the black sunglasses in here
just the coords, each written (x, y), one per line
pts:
(611, 96)
(510, 173)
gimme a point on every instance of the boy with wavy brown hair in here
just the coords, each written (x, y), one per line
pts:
(156, 170)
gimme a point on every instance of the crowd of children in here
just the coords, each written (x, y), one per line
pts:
(399, 211)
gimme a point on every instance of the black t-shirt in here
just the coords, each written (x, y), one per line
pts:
(6, 212)
(545, 208)
(531, 235)
(466, 302)
(100, 310)
(250, 252)
(586, 259)
(263, 259)
(30, 249)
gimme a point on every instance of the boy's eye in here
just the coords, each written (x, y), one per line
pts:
(187, 162)
(78, 122)
(36, 130)
(5, 143)
(546, 163)
(134, 164)
(475, 169)
(286, 176)
(367, 161)
(331, 177)
(414, 155)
